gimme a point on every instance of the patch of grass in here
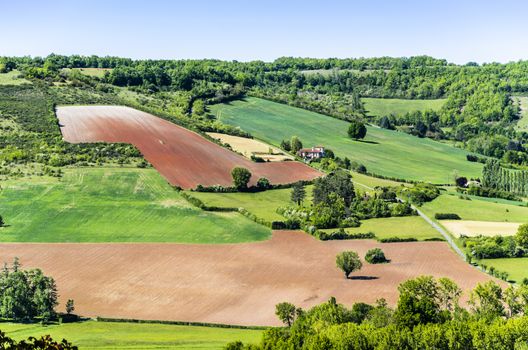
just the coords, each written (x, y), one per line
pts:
(11, 78)
(363, 181)
(385, 152)
(263, 204)
(117, 335)
(401, 227)
(379, 107)
(522, 124)
(517, 268)
(92, 72)
(113, 205)
(476, 209)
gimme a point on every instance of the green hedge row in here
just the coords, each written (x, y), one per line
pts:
(178, 323)
(447, 216)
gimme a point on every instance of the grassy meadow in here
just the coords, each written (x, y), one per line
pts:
(11, 78)
(402, 227)
(522, 124)
(117, 335)
(517, 268)
(385, 152)
(476, 209)
(379, 107)
(113, 205)
(263, 204)
(92, 72)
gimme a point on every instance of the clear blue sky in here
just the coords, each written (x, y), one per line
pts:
(458, 30)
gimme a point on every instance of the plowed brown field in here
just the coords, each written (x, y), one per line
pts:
(183, 157)
(235, 284)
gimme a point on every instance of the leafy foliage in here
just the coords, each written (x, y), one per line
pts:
(348, 262)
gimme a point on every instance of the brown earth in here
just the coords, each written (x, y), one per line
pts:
(235, 283)
(183, 157)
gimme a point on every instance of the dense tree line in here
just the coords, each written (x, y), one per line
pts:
(428, 315)
(479, 111)
(26, 294)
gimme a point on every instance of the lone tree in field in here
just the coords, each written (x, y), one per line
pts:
(298, 193)
(357, 130)
(70, 307)
(348, 262)
(522, 236)
(241, 178)
(286, 313)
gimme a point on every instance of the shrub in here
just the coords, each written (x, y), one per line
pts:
(447, 216)
(375, 256)
(263, 184)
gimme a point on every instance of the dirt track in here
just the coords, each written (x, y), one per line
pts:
(183, 157)
(236, 284)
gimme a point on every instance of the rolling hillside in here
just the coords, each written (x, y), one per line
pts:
(383, 152)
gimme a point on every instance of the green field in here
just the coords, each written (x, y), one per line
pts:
(92, 72)
(113, 335)
(516, 267)
(380, 107)
(363, 182)
(263, 204)
(476, 209)
(11, 78)
(385, 152)
(522, 124)
(113, 205)
(402, 227)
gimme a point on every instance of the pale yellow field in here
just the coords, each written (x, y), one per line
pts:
(249, 147)
(486, 228)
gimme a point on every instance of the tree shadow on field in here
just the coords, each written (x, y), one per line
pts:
(367, 141)
(363, 278)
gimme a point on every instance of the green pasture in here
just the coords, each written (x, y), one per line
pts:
(113, 205)
(517, 268)
(380, 107)
(385, 152)
(262, 204)
(402, 227)
(117, 335)
(476, 209)
(11, 78)
(522, 124)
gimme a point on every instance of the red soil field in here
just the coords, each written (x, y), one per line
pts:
(234, 283)
(183, 157)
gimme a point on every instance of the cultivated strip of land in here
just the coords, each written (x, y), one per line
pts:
(235, 283)
(183, 157)
(475, 228)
